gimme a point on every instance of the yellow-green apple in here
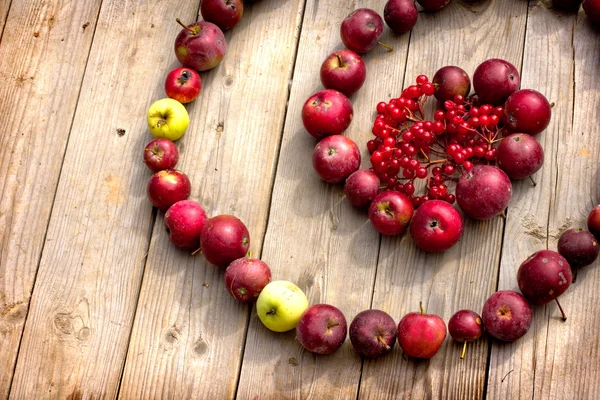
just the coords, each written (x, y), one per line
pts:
(280, 305)
(183, 85)
(168, 118)
(200, 45)
(161, 154)
(167, 187)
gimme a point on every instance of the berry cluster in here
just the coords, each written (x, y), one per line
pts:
(408, 147)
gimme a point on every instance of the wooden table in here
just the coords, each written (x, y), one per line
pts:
(96, 303)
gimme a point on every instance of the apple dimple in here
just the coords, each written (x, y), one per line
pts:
(504, 312)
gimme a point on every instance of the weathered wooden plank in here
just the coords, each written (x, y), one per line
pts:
(4, 7)
(314, 237)
(75, 339)
(41, 80)
(465, 275)
(188, 341)
(517, 369)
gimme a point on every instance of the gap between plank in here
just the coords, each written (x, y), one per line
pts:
(6, 20)
(55, 191)
(273, 176)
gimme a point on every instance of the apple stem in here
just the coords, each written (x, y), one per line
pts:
(503, 214)
(552, 105)
(383, 342)
(564, 316)
(198, 250)
(161, 122)
(250, 255)
(185, 26)
(534, 183)
(421, 307)
(390, 48)
(340, 60)
(464, 350)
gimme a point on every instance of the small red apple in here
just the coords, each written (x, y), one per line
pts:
(167, 187)
(224, 13)
(373, 333)
(224, 239)
(361, 29)
(465, 326)
(200, 46)
(436, 226)
(161, 154)
(420, 335)
(593, 222)
(322, 329)
(390, 212)
(361, 187)
(184, 221)
(335, 158)
(326, 113)
(245, 278)
(183, 85)
(506, 315)
(343, 71)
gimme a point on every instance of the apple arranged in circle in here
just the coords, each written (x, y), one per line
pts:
(465, 326)
(580, 248)
(400, 15)
(183, 85)
(322, 329)
(506, 315)
(224, 13)
(520, 156)
(200, 46)
(433, 5)
(495, 80)
(373, 333)
(436, 226)
(161, 154)
(390, 212)
(361, 30)
(527, 111)
(184, 221)
(343, 71)
(420, 335)
(224, 239)
(167, 187)
(483, 192)
(168, 118)
(451, 81)
(326, 113)
(280, 305)
(361, 187)
(593, 222)
(245, 278)
(335, 158)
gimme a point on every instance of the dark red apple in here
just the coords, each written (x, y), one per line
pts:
(483, 192)
(183, 85)
(224, 13)
(433, 5)
(322, 329)
(520, 156)
(200, 46)
(361, 30)
(580, 248)
(224, 239)
(592, 10)
(436, 226)
(527, 111)
(167, 187)
(335, 158)
(184, 221)
(420, 335)
(326, 113)
(390, 212)
(465, 326)
(506, 315)
(593, 222)
(343, 71)
(373, 333)
(400, 15)
(161, 154)
(245, 278)
(495, 80)
(361, 187)
(451, 81)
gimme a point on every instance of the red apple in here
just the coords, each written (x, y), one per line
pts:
(450, 81)
(400, 15)
(373, 333)
(483, 192)
(245, 278)
(200, 46)
(326, 113)
(520, 156)
(361, 30)
(506, 315)
(390, 212)
(183, 85)
(322, 329)
(527, 111)
(343, 71)
(593, 222)
(224, 239)
(335, 158)
(495, 80)
(224, 13)
(361, 187)
(465, 326)
(436, 226)
(161, 154)
(420, 335)
(184, 221)
(167, 187)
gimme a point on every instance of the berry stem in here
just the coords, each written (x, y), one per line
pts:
(390, 48)
(534, 183)
(464, 351)
(185, 26)
(564, 316)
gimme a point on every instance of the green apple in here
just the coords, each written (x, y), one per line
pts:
(168, 118)
(280, 305)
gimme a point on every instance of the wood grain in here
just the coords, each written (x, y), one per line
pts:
(315, 238)
(465, 275)
(41, 80)
(4, 7)
(549, 37)
(82, 309)
(187, 326)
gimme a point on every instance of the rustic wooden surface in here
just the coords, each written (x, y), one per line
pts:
(95, 303)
